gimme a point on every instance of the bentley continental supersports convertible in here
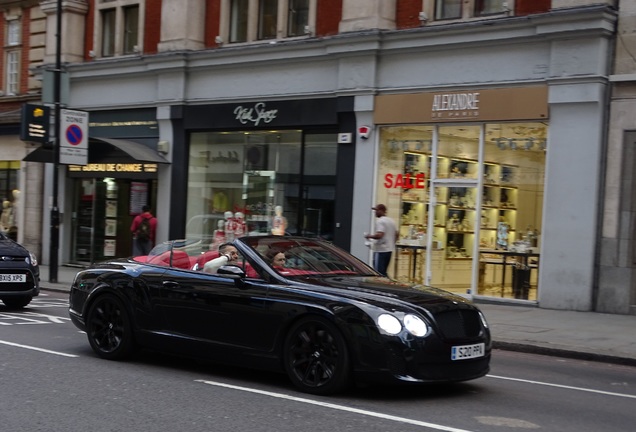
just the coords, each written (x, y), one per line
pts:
(290, 304)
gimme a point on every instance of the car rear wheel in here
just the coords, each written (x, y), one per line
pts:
(315, 357)
(17, 302)
(108, 328)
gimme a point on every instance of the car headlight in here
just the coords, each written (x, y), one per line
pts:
(34, 260)
(415, 325)
(483, 319)
(389, 324)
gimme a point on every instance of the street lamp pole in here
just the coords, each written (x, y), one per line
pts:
(55, 211)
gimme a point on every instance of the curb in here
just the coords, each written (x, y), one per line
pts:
(564, 353)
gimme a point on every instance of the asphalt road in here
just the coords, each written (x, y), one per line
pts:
(51, 381)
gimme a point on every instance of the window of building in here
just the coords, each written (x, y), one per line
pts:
(238, 21)
(246, 183)
(131, 29)
(461, 9)
(470, 197)
(118, 27)
(12, 72)
(267, 19)
(108, 32)
(448, 9)
(298, 17)
(13, 32)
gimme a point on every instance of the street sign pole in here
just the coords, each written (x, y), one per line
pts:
(55, 211)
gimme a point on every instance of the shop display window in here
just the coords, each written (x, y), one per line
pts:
(260, 182)
(480, 189)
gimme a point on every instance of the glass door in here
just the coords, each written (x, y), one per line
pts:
(451, 246)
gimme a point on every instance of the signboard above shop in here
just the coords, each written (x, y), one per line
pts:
(35, 122)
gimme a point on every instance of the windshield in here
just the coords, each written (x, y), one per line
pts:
(290, 256)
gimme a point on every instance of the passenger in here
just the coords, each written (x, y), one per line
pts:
(228, 255)
(278, 261)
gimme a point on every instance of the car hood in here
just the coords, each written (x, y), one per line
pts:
(381, 289)
(11, 248)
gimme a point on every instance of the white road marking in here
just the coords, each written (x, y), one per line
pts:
(37, 349)
(337, 407)
(564, 387)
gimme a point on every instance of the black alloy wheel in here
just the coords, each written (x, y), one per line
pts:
(108, 328)
(316, 358)
(17, 302)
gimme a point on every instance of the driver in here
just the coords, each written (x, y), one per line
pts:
(228, 255)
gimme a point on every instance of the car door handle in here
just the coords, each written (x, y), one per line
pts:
(170, 284)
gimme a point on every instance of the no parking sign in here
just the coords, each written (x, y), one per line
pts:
(74, 137)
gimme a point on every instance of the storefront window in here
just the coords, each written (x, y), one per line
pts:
(468, 200)
(251, 183)
(10, 194)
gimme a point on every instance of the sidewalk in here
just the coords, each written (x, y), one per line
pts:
(582, 335)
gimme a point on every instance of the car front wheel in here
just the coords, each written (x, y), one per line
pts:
(17, 302)
(108, 328)
(316, 358)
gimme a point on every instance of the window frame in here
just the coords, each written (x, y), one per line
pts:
(12, 74)
(121, 45)
(468, 11)
(230, 32)
(14, 32)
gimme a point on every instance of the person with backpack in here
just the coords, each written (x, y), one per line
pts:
(143, 229)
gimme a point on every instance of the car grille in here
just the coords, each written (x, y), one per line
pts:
(12, 258)
(458, 323)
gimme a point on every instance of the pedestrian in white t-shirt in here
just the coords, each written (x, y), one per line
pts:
(385, 238)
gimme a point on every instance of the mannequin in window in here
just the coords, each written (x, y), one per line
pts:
(279, 222)
(6, 220)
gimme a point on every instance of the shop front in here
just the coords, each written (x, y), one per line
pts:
(105, 199)
(271, 167)
(462, 174)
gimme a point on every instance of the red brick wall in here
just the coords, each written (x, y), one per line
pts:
(328, 17)
(152, 26)
(526, 7)
(90, 28)
(212, 22)
(407, 14)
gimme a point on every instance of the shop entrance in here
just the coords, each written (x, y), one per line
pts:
(103, 210)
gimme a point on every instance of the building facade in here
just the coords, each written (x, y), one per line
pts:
(487, 128)
(22, 36)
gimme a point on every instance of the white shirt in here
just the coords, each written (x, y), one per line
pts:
(387, 243)
(214, 265)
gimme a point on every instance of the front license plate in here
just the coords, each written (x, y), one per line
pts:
(12, 278)
(465, 352)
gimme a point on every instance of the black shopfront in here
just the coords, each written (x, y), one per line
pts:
(261, 162)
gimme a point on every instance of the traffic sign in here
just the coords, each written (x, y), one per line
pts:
(74, 137)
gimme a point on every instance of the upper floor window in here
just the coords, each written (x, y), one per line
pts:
(252, 20)
(462, 9)
(118, 27)
(13, 32)
(489, 7)
(12, 72)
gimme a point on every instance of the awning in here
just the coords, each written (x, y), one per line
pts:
(106, 150)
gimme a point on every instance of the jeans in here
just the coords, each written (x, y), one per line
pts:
(141, 247)
(381, 262)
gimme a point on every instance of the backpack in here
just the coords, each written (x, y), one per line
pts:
(143, 230)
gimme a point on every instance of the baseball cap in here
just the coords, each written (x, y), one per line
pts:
(379, 207)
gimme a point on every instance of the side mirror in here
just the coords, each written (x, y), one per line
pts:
(231, 271)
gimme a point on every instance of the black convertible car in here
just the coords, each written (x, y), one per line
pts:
(19, 274)
(316, 313)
